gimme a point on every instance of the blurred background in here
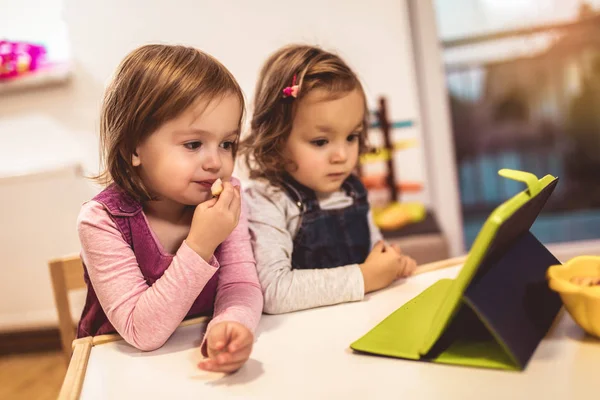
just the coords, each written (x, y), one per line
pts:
(523, 80)
(472, 85)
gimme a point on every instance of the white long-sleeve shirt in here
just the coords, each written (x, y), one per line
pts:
(274, 221)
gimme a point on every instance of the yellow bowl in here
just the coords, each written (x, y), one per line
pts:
(582, 302)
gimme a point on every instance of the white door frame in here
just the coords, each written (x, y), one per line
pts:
(436, 122)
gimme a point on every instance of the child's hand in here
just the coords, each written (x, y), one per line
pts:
(383, 266)
(408, 263)
(228, 345)
(214, 220)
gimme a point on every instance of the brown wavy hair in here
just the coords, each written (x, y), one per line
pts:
(273, 115)
(152, 85)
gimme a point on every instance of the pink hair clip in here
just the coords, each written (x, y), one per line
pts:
(291, 90)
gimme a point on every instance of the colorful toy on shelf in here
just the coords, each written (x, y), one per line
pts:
(20, 58)
(396, 215)
(390, 214)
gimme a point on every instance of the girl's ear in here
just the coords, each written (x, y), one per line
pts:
(135, 159)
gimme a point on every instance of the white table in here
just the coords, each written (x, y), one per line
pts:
(305, 355)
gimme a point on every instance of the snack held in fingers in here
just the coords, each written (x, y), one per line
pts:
(217, 187)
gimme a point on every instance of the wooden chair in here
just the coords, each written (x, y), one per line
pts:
(66, 274)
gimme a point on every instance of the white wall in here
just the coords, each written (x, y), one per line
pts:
(38, 215)
(372, 36)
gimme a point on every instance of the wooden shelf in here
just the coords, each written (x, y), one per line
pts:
(55, 75)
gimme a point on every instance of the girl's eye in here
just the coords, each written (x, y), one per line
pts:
(319, 142)
(192, 145)
(227, 145)
(353, 137)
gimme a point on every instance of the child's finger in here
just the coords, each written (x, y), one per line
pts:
(408, 266)
(224, 358)
(217, 339)
(209, 203)
(412, 266)
(379, 246)
(240, 338)
(213, 366)
(397, 248)
(209, 365)
(401, 268)
(226, 196)
(225, 362)
(241, 355)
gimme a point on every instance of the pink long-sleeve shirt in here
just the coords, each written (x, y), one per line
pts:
(146, 316)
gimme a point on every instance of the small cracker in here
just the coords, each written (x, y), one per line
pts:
(217, 187)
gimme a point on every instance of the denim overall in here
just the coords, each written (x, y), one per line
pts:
(330, 238)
